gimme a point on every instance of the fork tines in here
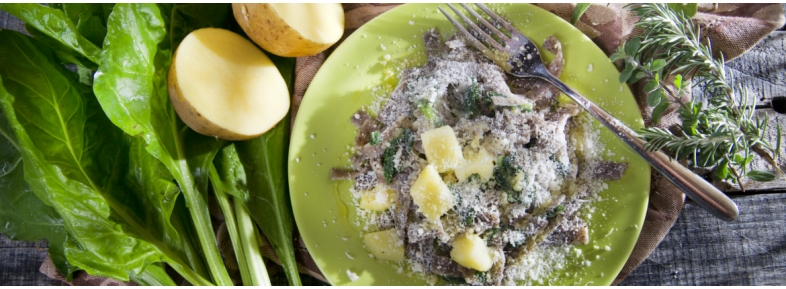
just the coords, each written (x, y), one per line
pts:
(483, 33)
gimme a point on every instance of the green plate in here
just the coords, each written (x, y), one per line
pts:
(365, 66)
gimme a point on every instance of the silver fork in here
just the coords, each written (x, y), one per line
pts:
(520, 57)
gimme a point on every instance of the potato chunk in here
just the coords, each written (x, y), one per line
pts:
(481, 163)
(431, 194)
(222, 85)
(442, 149)
(470, 251)
(385, 245)
(378, 199)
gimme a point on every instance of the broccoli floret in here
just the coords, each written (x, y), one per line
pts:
(403, 141)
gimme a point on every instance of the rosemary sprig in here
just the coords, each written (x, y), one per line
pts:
(720, 133)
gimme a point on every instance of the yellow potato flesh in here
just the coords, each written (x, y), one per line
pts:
(318, 22)
(233, 89)
(482, 163)
(470, 251)
(385, 245)
(431, 194)
(378, 199)
(442, 149)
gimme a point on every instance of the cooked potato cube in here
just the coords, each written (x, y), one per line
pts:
(378, 199)
(470, 251)
(431, 194)
(385, 245)
(481, 163)
(442, 149)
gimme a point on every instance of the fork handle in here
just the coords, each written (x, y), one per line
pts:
(699, 190)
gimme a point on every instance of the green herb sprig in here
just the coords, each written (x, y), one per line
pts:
(721, 132)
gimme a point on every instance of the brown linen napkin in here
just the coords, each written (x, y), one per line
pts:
(732, 28)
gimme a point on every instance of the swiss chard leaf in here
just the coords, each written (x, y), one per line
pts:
(265, 162)
(578, 11)
(54, 23)
(131, 87)
(90, 19)
(229, 178)
(23, 216)
(114, 198)
(189, 17)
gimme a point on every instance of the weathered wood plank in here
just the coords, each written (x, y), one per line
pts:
(19, 263)
(10, 22)
(761, 69)
(702, 250)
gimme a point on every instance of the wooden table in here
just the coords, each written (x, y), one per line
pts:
(699, 250)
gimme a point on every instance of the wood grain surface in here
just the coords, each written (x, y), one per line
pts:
(702, 250)
(699, 250)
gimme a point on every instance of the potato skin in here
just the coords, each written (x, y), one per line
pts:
(190, 116)
(270, 32)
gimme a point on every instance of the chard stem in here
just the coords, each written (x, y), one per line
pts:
(197, 206)
(249, 235)
(231, 223)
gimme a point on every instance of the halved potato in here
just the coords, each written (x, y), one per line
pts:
(291, 29)
(222, 85)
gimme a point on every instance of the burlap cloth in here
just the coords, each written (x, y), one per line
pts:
(732, 28)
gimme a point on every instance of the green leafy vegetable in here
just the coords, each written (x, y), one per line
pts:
(427, 109)
(228, 177)
(505, 172)
(760, 176)
(115, 200)
(185, 18)
(558, 210)
(265, 162)
(131, 87)
(469, 218)
(24, 216)
(153, 275)
(562, 168)
(404, 142)
(55, 24)
(687, 9)
(578, 11)
(104, 152)
(90, 19)
(471, 99)
(375, 138)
